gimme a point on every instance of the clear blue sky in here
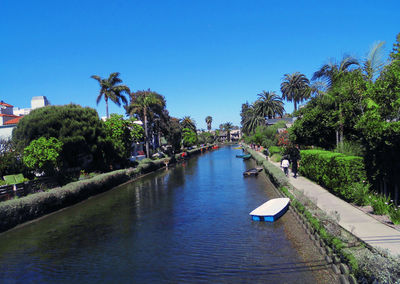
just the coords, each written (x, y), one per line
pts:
(205, 57)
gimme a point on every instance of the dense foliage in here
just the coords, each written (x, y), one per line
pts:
(121, 134)
(189, 137)
(43, 155)
(334, 171)
(10, 159)
(78, 128)
(358, 110)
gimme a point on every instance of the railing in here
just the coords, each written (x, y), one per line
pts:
(8, 192)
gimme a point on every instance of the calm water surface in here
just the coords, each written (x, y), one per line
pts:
(186, 224)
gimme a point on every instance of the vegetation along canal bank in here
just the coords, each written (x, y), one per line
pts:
(186, 224)
(17, 211)
(349, 255)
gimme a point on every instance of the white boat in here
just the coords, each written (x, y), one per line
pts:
(270, 210)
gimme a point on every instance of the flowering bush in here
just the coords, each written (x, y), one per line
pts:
(394, 214)
(283, 139)
(381, 205)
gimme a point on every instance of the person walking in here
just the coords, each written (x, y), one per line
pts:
(285, 165)
(294, 159)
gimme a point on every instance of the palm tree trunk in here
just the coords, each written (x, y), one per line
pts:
(337, 138)
(295, 105)
(107, 107)
(341, 128)
(146, 134)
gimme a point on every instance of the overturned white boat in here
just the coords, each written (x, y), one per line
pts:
(270, 210)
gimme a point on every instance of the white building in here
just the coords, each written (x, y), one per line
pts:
(10, 115)
(39, 101)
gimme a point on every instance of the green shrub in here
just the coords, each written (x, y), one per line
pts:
(274, 150)
(380, 204)
(360, 193)
(334, 171)
(394, 214)
(276, 158)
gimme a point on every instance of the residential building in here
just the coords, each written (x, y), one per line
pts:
(10, 115)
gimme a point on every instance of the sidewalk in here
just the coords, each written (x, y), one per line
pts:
(352, 219)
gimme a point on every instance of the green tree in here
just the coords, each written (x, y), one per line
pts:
(121, 134)
(174, 133)
(295, 87)
(189, 137)
(79, 129)
(250, 119)
(142, 104)
(112, 89)
(331, 75)
(269, 105)
(188, 122)
(43, 154)
(316, 125)
(227, 127)
(10, 162)
(209, 121)
(395, 54)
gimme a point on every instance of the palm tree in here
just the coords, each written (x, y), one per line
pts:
(112, 89)
(228, 126)
(250, 119)
(269, 105)
(330, 74)
(295, 87)
(374, 62)
(141, 104)
(188, 122)
(209, 121)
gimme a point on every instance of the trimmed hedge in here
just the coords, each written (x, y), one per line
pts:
(333, 171)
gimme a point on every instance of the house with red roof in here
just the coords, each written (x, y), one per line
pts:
(10, 115)
(7, 114)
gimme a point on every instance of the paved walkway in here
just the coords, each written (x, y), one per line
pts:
(352, 219)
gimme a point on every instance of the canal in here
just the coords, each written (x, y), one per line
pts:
(189, 223)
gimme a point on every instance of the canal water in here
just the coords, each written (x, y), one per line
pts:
(189, 223)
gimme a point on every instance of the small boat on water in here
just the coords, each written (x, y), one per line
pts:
(251, 172)
(259, 169)
(271, 210)
(238, 148)
(215, 147)
(246, 157)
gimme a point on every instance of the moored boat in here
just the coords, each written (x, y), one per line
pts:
(271, 210)
(246, 157)
(251, 172)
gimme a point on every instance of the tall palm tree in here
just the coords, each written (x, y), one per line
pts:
(228, 126)
(209, 121)
(141, 104)
(331, 73)
(188, 122)
(112, 89)
(269, 105)
(295, 87)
